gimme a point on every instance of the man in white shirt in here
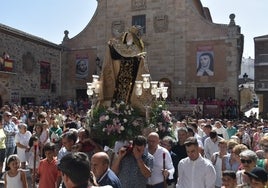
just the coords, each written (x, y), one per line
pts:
(211, 144)
(163, 167)
(195, 171)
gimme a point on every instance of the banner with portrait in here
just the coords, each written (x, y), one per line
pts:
(82, 66)
(45, 75)
(205, 61)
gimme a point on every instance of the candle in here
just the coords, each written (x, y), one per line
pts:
(164, 168)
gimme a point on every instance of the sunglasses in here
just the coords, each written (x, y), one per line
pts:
(246, 161)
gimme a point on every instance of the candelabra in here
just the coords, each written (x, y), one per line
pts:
(157, 89)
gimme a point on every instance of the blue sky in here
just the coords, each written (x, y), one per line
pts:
(49, 18)
(250, 16)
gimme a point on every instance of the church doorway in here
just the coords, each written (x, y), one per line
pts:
(205, 93)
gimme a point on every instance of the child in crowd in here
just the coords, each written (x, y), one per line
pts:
(48, 173)
(44, 137)
(228, 179)
(33, 144)
(14, 177)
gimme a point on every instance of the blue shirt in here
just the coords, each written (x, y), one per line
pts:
(10, 130)
(109, 178)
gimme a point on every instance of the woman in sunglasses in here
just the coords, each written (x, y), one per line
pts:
(248, 160)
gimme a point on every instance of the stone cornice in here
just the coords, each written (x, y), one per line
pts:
(26, 36)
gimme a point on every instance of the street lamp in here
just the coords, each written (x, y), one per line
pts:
(245, 77)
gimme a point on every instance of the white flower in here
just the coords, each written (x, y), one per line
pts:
(129, 112)
(107, 117)
(125, 120)
(117, 105)
(122, 128)
(110, 109)
(151, 125)
(103, 130)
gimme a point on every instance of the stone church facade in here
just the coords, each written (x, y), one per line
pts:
(175, 34)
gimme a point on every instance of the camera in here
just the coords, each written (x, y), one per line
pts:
(129, 149)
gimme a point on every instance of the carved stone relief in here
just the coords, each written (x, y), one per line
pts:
(138, 4)
(118, 28)
(160, 23)
(28, 62)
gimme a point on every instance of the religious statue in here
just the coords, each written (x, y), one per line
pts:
(123, 65)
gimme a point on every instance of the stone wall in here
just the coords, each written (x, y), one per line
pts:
(174, 32)
(24, 81)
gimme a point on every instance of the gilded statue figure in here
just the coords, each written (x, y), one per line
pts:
(123, 65)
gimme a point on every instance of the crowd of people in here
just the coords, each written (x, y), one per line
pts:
(57, 147)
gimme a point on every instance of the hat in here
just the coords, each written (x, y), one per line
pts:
(7, 113)
(258, 173)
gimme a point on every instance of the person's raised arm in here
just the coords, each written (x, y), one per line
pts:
(144, 169)
(116, 163)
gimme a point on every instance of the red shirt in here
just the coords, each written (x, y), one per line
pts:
(48, 173)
